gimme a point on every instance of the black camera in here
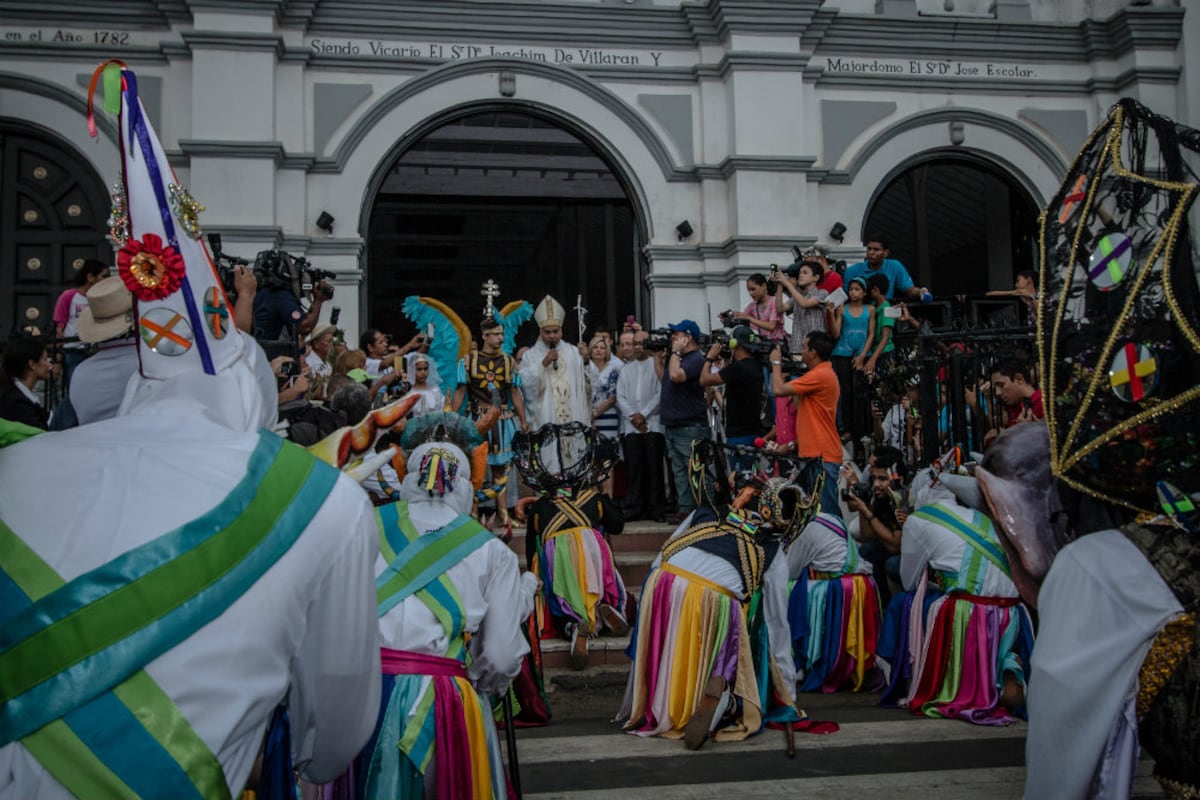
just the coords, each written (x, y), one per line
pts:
(225, 265)
(727, 318)
(861, 491)
(660, 339)
(292, 369)
(278, 269)
(334, 315)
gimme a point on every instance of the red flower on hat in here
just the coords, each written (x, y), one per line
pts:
(150, 269)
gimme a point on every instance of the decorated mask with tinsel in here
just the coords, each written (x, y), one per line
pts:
(1119, 313)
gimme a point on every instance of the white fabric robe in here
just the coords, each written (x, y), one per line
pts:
(539, 383)
(1099, 610)
(496, 596)
(926, 543)
(639, 391)
(822, 549)
(306, 630)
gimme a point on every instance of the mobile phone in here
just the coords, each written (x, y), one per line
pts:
(334, 314)
(894, 312)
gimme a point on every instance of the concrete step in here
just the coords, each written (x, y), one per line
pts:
(603, 651)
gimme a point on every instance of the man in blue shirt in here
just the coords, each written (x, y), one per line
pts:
(878, 263)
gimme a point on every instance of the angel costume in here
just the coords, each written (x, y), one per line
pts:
(201, 573)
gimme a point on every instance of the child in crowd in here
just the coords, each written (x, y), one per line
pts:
(885, 323)
(852, 325)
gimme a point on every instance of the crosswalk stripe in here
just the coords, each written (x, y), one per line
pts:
(619, 745)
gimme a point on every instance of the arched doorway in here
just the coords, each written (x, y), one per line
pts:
(959, 224)
(53, 208)
(508, 195)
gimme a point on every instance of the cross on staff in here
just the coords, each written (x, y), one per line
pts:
(581, 312)
(490, 290)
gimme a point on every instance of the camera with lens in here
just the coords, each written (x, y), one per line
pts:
(727, 318)
(861, 491)
(278, 269)
(225, 265)
(660, 339)
(291, 369)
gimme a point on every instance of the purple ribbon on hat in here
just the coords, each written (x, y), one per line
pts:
(138, 130)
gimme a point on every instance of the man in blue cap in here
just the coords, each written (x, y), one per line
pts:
(684, 418)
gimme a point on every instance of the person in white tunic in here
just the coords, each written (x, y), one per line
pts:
(552, 373)
(435, 726)
(223, 576)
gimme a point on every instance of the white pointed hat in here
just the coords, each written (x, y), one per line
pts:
(184, 319)
(549, 312)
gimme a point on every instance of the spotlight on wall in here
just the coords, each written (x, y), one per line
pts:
(325, 222)
(508, 83)
(958, 134)
(837, 232)
(684, 229)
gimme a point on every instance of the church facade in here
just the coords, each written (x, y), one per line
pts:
(727, 131)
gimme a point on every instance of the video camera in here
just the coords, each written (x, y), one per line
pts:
(225, 264)
(274, 269)
(660, 339)
(278, 269)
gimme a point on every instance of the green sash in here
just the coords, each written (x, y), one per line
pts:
(417, 564)
(72, 685)
(980, 539)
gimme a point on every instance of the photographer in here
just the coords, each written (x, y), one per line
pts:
(277, 303)
(743, 382)
(816, 393)
(881, 516)
(684, 417)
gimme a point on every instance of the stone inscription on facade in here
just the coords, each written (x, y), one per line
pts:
(928, 69)
(448, 51)
(85, 37)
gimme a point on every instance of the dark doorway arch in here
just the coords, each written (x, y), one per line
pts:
(509, 194)
(958, 222)
(53, 212)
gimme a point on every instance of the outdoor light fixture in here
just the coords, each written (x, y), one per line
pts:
(684, 229)
(508, 83)
(837, 232)
(325, 222)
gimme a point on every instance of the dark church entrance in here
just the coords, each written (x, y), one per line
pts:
(53, 209)
(509, 196)
(958, 223)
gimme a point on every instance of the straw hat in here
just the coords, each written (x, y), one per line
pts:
(109, 312)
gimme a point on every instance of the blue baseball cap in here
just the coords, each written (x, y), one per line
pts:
(688, 327)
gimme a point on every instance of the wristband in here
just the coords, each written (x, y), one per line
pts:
(677, 355)
(712, 360)
(777, 363)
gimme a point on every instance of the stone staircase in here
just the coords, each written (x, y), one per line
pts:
(633, 551)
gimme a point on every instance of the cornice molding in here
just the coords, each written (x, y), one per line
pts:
(1133, 27)
(234, 40)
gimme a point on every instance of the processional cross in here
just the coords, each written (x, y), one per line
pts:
(490, 290)
(581, 313)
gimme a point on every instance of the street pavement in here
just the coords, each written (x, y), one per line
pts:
(581, 755)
